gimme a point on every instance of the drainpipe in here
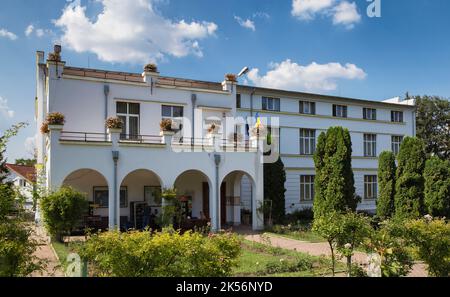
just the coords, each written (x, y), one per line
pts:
(217, 162)
(251, 109)
(115, 155)
(193, 100)
(106, 92)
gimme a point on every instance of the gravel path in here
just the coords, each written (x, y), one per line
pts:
(321, 248)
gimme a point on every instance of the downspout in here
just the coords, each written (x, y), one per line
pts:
(217, 162)
(251, 110)
(106, 92)
(193, 100)
(115, 155)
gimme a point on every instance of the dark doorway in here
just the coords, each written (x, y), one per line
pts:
(206, 199)
(223, 203)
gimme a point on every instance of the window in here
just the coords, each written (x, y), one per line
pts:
(269, 103)
(238, 100)
(129, 114)
(339, 111)
(101, 197)
(370, 187)
(170, 112)
(307, 141)
(306, 107)
(369, 114)
(397, 116)
(396, 141)
(370, 145)
(306, 187)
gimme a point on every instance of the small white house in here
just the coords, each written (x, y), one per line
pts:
(24, 179)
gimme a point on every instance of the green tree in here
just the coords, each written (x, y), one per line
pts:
(26, 162)
(437, 187)
(334, 182)
(433, 124)
(409, 185)
(63, 210)
(274, 189)
(386, 183)
(11, 132)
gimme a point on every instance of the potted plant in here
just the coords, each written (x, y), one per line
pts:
(166, 125)
(151, 68)
(231, 77)
(44, 128)
(213, 128)
(114, 124)
(54, 120)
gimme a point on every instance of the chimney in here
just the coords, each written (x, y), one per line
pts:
(229, 84)
(150, 73)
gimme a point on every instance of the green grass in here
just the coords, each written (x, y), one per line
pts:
(63, 250)
(262, 260)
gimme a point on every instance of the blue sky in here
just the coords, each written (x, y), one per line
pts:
(322, 46)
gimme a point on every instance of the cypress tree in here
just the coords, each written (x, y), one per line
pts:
(409, 185)
(334, 183)
(437, 187)
(386, 183)
(274, 189)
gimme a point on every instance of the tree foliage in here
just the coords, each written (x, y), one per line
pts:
(386, 183)
(433, 125)
(334, 182)
(409, 186)
(11, 132)
(26, 162)
(161, 254)
(63, 210)
(437, 187)
(274, 189)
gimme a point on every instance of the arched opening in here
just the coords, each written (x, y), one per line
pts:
(236, 199)
(140, 199)
(95, 186)
(193, 189)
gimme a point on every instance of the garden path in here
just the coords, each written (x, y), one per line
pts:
(320, 248)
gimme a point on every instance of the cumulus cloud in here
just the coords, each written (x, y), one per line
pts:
(289, 75)
(5, 111)
(5, 33)
(342, 12)
(346, 14)
(249, 24)
(39, 32)
(29, 30)
(130, 31)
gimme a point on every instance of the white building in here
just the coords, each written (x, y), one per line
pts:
(23, 179)
(216, 175)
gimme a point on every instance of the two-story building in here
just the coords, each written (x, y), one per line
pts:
(218, 173)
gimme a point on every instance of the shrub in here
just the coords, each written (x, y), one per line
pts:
(274, 189)
(63, 210)
(386, 181)
(55, 118)
(432, 240)
(387, 242)
(409, 184)
(305, 214)
(437, 187)
(166, 254)
(166, 125)
(114, 123)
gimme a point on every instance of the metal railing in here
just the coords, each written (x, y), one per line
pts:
(225, 144)
(143, 139)
(83, 136)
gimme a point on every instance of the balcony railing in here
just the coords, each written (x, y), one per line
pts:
(84, 136)
(143, 139)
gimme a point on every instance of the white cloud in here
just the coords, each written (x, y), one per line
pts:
(249, 24)
(40, 32)
(261, 14)
(307, 9)
(130, 31)
(5, 111)
(289, 75)
(29, 30)
(346, 14)
(342, 12)
(5, 33)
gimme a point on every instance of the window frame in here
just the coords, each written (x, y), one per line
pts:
(125, 134)
(307, 187)
(370, 145)
(123, 201)
(370, 185)
(265, 103)
(307, 141)
(397, 116)
(369, 114)
(343, 111)
(303, 103)
(396, 144)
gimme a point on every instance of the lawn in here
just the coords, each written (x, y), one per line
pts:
(301, 230)
(63, 250)
(262, 260)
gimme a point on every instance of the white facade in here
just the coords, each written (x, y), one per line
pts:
(23, 184)
(220, 177)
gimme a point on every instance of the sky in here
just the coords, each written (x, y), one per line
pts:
(367, 49)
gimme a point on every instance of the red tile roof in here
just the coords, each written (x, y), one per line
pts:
(27, 172)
